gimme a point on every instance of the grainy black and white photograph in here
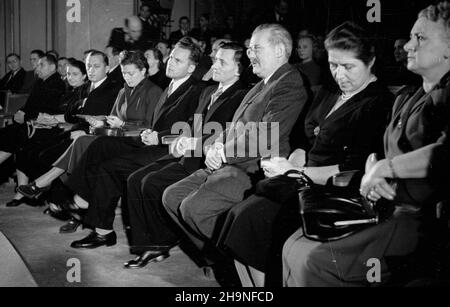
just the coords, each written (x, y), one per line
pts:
(212, 147)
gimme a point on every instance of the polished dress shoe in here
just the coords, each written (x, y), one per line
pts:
(71, 226)
(94, 240)
(15, 203)
(147, 257)
(31, 190)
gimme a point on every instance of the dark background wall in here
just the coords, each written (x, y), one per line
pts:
(31, 24)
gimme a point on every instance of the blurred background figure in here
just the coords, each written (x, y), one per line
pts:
(13, 81)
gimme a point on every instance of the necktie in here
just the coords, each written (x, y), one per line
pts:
(92, 87)
(215, 96)
(169, 92)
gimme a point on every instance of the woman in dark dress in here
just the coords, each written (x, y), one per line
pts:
(414, 176)
(343, 128)
(156, 71)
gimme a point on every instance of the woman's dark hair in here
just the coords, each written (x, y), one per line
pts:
(157, 55)
(351, 37)
(78, 64)
(135, 57)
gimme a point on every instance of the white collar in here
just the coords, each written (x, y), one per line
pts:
(176, 84)
(224, 88)
(97, 84)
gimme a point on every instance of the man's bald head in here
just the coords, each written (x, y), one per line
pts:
(133, 26)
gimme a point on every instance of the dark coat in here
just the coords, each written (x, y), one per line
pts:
(140, 105)
(15, 84)
(179, 107)
(30, 79)
(350, 134)
(160, 79)
(422, 120)
(98, 102)
(116, 76)
(175, 36)
(45, 97)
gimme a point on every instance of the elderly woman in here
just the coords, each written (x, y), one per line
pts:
(132, 111)
(416, 149)
(343, 128)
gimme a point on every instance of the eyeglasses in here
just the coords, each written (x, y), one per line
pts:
(254, 49)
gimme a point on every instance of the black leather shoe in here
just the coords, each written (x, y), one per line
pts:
(71, 226)
(31, 190)
(15, 203)
(95, 240)
(146, 258)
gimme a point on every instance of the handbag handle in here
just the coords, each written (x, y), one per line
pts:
(301, 178)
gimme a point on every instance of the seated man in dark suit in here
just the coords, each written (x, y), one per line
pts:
(152, 234)
(115, 72)
(272, 106)
(130, 36)
(13, 80)
(31, 76)
(185, 30)
(44, 98)
(101, 185)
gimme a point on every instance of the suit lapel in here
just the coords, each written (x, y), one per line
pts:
(222, 99)
(167, 102)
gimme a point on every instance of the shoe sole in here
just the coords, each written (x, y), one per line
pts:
(154, 260)
(93, 247)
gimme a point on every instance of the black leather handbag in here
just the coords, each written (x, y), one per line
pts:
(282, 188)
(331, 213)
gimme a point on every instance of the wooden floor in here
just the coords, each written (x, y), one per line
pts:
(49, 258)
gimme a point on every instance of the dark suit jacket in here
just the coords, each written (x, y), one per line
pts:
(99, 102)
(179, 107)
(221, 112)
(280, 101)
(15, 84)
(177, 35)
(30, 79)
(116, 76)
(351, 133)
(45, 97)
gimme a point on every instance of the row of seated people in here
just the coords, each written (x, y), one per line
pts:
(170, 196)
